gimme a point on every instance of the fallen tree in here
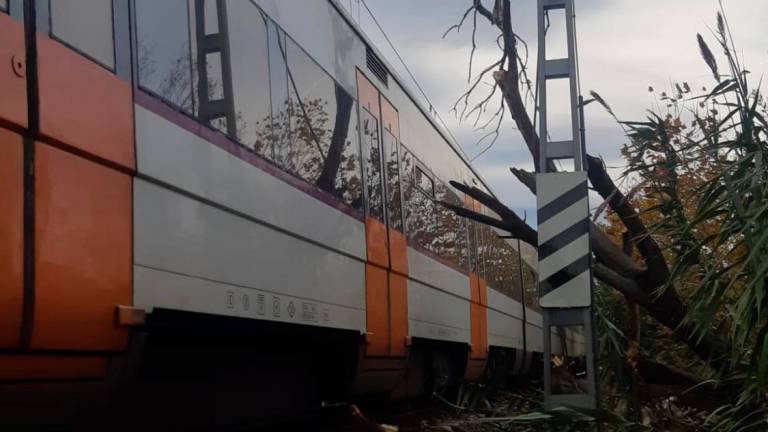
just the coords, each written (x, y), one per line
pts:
(645, 283)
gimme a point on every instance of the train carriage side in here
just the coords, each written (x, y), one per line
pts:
(226, 165)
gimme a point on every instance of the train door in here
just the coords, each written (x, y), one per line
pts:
(387, 266)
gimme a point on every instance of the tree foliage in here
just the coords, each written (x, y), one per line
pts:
(702, 170)
(687, 241)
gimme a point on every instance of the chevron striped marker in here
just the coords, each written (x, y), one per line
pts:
(564, 254)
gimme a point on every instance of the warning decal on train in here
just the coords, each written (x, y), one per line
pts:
(564, 253)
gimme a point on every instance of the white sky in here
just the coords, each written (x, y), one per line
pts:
(625, 46)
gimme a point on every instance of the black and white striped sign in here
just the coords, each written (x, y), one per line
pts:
(564, 254)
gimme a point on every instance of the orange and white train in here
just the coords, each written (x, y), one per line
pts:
(236, 186)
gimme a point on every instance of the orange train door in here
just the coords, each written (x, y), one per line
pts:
(387, 267)
(13, 116)
(66, 161)
(478, 307)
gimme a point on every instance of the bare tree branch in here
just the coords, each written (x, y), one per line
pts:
(637, 282)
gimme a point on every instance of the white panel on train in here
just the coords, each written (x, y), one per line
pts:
(504, 304)
(229, 256)
(429, 271)
(172, 155)
(504, 330)
(435, 314)
(534, 337)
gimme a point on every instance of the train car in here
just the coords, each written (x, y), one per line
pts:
(241, 194)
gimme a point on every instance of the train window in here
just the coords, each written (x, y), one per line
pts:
(321, 129)
(419, 205)
(394, 202)
(450, 226)
(86, 25)
(408, 187)
(503, 267)
(530, 286)
(462, 243)
(3, 5)
(424, 182)
(512, 272)
(278, 86)
(250, 75)
(481, 250)
(165, 60)
(372, 155)
(472, 245)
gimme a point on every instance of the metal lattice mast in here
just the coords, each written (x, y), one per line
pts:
(565, 279)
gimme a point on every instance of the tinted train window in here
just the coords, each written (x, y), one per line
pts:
(472, 245)
(394, 202)
(531, 287)
(484, 242)
(322, 145)
(86, 25)
(451, 241)
(278, 77)
(503, 267)
(248, 48)
(408, 186)
(4, 5)
(165, 60)
(419, 205)
(424, 182)
(372, 155)
(512, 272)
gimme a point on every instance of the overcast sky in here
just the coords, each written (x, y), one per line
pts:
(625, 46)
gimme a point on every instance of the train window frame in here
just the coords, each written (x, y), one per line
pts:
(402, 149)
(424, 171)
(397, 145)
(364, 164)
(52, 35)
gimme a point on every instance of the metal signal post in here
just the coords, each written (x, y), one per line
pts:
(565, 277)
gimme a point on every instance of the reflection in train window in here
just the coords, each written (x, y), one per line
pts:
(250, 74)
(503, 266)
(394, 202)
(482, 251)
(424, 182)
(419, 205)
(4, 5)
(530, 286)
(278, 87)
(322, 147)
(372, 156)
(408, 186)
(451, 232)
(512, 272)
(86, 25)
(474, 260)
(165, 60)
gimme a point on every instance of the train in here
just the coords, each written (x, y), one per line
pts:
(240, 192)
